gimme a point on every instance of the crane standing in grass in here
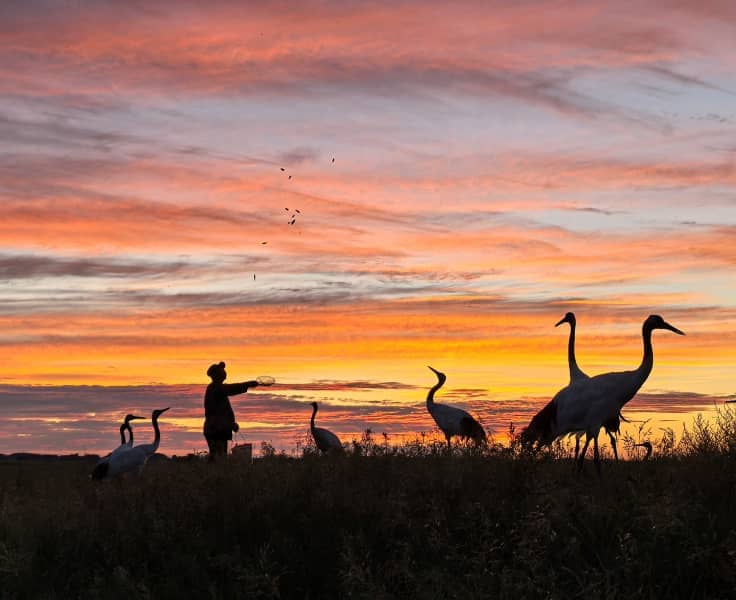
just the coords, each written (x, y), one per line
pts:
(613, 425)
(324, 439)
(134, 459)
(124, 445)
(125, 426)
(452, 421)
(585, 405)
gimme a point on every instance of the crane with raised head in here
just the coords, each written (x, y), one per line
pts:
(133, 459)
(324, 439)
(125, 445)
(452, 421)
(613, 425)
(586, 404)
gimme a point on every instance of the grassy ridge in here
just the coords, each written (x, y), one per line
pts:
(399, 525)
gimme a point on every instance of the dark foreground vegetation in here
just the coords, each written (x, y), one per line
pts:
(378, 522)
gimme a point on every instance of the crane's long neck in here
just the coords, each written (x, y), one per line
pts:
(311, 421)
(157, 435)
(575, 372)
(638, 376)
(431, 393)
(130, 431)
(123, 427)
(647, 361)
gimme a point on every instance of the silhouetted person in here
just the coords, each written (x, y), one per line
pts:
(219, 419)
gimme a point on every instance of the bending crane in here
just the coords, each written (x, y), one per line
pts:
(452, 421)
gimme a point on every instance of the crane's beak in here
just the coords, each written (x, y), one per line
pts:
(136, 417)
(666, 325)
(561, 321)
(730, 401)
(163, 410)
(435, 371)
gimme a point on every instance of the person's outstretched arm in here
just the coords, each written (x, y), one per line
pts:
(233, 389)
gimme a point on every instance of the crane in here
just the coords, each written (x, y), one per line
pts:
(452, 421)
(586, 404)
(613, 425)
(134, 459)
(575, 371)
(324, 439)
(124, 445)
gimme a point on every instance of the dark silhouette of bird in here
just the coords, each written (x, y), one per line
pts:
(452, 421)
(324, 439)
(586, 404)
(613, 425)
(124, 446)
(134, 459)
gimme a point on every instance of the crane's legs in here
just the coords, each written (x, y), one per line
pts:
(581, 458)
(596, 455)
(577, 447)
(613, 445)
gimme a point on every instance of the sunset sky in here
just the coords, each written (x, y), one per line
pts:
(496, 164)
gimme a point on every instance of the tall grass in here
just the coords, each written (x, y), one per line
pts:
(412, 521)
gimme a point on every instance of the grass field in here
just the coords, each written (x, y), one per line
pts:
(379, 522)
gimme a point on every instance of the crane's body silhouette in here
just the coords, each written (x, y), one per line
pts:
(586, 404)
(613, 425)
(124, 446)
(324, 439)
(134, 459)
(452, 421)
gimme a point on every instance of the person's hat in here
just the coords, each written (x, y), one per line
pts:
(216, 368)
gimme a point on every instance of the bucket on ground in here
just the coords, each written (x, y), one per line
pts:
(243, 451)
